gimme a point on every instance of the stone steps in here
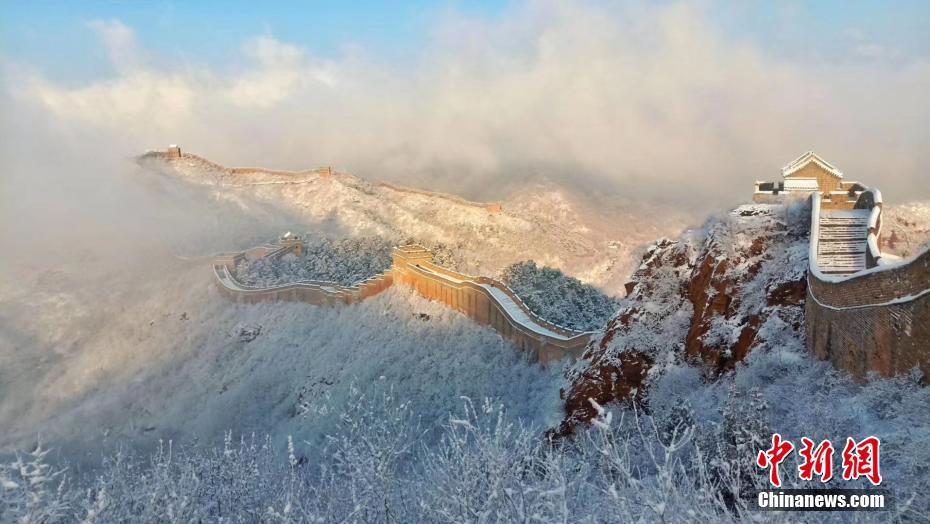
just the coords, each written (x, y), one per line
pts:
(843, 241)
(858, 246)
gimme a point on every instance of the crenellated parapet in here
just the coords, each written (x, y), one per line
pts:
(484, 300)
(317, 292)
(865, 313)
(488, 302)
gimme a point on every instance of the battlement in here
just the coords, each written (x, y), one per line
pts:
(863, 313)
(482, 299)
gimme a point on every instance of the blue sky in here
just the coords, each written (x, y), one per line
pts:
(457, 93)
(54, 36)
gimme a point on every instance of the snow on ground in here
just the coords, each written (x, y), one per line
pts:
(559, 298)
(344, 261)
(596, 241)
(171, 358)
(779, 386)
(121, 336)
(518, 314)
(101, 349)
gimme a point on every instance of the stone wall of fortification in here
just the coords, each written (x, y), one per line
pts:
(413, 267)
(493, 208)
(468, 295)
(316, 293)
(877, 321)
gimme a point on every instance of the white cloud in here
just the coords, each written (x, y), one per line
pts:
(864, 47)
(280, 71)
(120, 41)
(653, 98)
(271, 53)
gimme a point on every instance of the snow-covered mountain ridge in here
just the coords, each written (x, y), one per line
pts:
(709, 298)
(596, 242)
(132, 346)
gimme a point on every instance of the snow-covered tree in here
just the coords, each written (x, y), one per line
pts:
(32, 490)
(344, 261)
(559, 298)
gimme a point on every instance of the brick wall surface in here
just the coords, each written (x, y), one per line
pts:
(826, 180)
(465, 294)
(413, 267)
(876, 287)
(851, 323)
(890, 340)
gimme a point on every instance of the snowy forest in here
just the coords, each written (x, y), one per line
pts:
(344, 261)
(558, 298)
(400, 409)
(605, 160)
(554, 296)
(692, 459)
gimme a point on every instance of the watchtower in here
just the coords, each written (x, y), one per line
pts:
(807, 174)
(293, 241)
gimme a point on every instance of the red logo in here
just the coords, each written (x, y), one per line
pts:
(816, 461)
(774, 456)
(859, 459)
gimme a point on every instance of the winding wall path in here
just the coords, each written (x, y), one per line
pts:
(865, 313)
(482, 299)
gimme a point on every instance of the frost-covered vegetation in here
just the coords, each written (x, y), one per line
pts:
(906, 228)
(445, 255)
(95, 371)
(344, 261)
(559, 298)
(691, 459)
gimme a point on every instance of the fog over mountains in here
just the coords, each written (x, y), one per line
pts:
(612, 142)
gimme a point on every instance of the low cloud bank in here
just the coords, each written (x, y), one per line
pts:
(652, 100)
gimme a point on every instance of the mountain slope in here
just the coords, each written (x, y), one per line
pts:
(905, 228)
(170, 358)
(712, 337)
(595, 242)
(706, 299)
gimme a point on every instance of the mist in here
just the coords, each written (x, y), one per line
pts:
(112, 333)
(651, 101)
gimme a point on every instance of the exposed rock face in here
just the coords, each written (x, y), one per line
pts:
(708, 298)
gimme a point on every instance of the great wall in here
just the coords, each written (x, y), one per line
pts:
(865, 311)
(484, 300)
(173, 153)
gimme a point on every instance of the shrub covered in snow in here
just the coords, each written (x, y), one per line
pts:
(559, 298)
(445, 255)
(680, 464)
(343, 261)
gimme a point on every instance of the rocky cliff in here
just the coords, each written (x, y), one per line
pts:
(707, 298)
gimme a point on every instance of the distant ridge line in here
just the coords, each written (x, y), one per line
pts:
(493, 207)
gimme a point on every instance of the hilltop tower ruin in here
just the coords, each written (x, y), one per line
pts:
(807, 174)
